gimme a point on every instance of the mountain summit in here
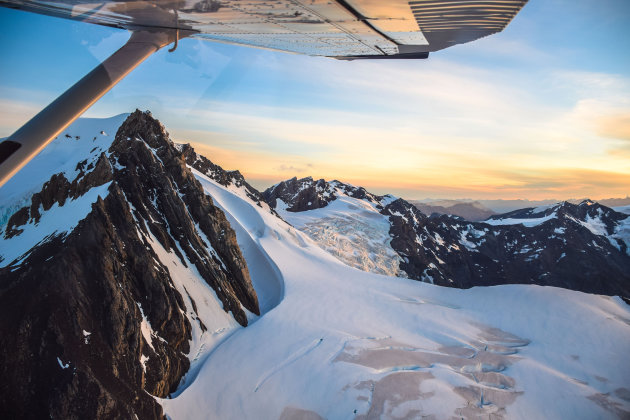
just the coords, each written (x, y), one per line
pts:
(129, 269)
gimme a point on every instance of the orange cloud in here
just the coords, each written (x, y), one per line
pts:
(615, 126)
(471, 181)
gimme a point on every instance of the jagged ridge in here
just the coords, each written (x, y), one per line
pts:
(82, 301)
(220, 175)
(578, 247)
(307, 194)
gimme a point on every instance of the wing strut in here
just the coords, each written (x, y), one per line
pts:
(18, 149)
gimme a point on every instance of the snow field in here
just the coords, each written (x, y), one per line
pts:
(342, 340)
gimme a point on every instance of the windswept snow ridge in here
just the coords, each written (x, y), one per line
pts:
(529, 222)
(249, 226)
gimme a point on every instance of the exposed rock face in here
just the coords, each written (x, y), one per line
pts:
(577, 247)
(300, 194)
(308, 194)
(181, 205)
(561, 251)
(75, 312)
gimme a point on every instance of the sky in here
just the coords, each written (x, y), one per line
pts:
(539, 111)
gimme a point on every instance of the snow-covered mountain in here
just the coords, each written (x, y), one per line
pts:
(113, 305)
(582, 246)
(115, 275)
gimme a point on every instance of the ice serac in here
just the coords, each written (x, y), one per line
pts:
(94, 323)
(344, 220)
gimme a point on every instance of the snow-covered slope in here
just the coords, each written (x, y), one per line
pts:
(343, 344)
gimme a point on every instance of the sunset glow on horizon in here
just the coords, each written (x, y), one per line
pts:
(540, 111)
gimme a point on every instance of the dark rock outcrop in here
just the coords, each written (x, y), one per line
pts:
(72, 343)
(300, 194)
(560, 252)
(308, 194)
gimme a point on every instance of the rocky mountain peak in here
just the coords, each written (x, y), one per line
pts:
(300, 194)
(162, 188)
(588, 213)
(141, 125)
(309, 194)
(109, 300)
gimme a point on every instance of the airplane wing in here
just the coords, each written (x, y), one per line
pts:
(343, 29)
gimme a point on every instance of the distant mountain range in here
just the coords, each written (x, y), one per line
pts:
(473, 210)
(583, 246)
(497, 206)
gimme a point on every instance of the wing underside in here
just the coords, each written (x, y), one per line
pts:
(333, 28)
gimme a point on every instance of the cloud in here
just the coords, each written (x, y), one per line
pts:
(14, 114)
(545, 184)
(511, 144)
(615, 126)
(293, 168)
(438, 125)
